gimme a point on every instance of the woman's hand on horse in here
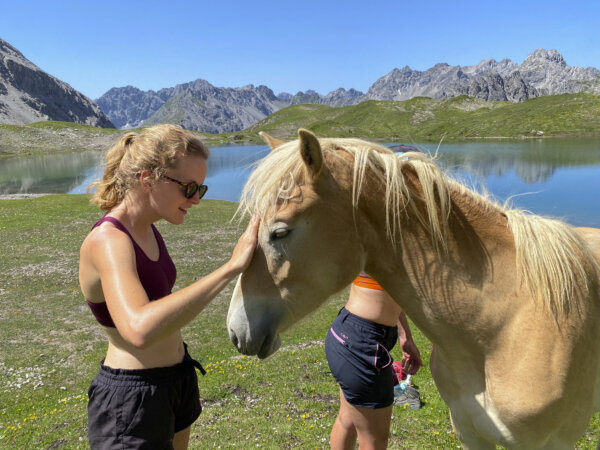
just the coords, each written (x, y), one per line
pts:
(244, 249)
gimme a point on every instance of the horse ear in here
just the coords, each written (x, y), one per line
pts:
(271, 141)
(311, 152)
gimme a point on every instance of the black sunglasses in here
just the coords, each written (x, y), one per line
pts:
(189, 189)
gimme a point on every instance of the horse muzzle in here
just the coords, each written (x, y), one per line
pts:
(253, 325)
(263, 347)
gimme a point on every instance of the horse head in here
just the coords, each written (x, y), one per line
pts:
(308, 247)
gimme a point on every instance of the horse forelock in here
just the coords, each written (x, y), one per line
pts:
(550, 256)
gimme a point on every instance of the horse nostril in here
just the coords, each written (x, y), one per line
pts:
(233, 338)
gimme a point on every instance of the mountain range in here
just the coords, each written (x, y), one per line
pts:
(28, 94)
(198, 105)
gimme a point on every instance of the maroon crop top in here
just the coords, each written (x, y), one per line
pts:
(157, 277)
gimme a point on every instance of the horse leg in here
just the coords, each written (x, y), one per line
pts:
(450, 388)
(468, 439)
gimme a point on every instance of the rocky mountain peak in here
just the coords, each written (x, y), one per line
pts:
(8, 50)
(541, 56)
(550, 74)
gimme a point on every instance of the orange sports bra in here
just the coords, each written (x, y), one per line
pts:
(365, 281)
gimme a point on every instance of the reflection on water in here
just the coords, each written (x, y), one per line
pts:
(47, 173)
(552, 177)
(532, 161)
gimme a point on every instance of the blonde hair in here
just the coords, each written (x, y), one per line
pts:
(155, 148)
(276, 177)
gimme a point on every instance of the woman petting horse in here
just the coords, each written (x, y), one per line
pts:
(146, 392)
(358, 349)
(510, 301)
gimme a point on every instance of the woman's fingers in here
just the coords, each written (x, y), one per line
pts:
(244, 249)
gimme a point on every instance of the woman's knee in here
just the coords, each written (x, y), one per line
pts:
(346, 418)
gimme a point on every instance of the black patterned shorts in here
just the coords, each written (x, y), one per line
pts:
(358, 353)
(144, 408)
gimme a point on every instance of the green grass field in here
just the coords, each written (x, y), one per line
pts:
(50, 345)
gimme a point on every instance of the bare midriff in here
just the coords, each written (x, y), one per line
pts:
(165, 352)
(374, 305)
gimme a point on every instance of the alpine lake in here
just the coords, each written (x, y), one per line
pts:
(552, 177)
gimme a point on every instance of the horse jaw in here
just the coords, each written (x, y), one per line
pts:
(252, 325)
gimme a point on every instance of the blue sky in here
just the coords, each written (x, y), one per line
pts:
(286, 45)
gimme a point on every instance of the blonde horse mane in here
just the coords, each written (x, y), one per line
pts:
(551, 257)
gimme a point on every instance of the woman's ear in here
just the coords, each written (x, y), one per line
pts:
(146, 178)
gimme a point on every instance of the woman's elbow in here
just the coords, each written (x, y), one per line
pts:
(137, 335)
(140, 342)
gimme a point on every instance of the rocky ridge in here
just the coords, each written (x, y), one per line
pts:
(28, 94)
(198, 105)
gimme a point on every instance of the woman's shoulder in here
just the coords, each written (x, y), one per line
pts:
(106, 240)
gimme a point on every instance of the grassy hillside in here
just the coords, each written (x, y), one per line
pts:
(419, 119)
(425, 119)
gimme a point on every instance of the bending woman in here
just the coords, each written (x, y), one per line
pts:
(146, 392)
(358, 349)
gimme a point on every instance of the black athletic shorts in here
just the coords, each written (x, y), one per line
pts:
(358, 353)
(142, 409)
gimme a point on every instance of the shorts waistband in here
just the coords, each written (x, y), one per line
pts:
(142, 377)
(346, 315)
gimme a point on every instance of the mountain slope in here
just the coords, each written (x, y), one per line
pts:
(197, 105)
(426, 119)
(28, 94)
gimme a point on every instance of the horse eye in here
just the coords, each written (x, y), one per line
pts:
(279, 233)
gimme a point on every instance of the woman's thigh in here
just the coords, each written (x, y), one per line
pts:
(181, 439)
(372, 425)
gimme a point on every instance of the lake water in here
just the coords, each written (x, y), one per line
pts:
(560, 178)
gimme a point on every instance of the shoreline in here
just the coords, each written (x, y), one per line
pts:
(20, 196)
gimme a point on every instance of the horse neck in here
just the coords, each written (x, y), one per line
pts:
(437, 289)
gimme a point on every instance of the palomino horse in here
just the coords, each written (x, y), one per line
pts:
(509, 300)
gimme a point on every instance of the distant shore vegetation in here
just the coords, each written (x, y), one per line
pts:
(419, 119)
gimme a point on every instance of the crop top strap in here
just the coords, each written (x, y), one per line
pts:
(159, 239)
(116, 223)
